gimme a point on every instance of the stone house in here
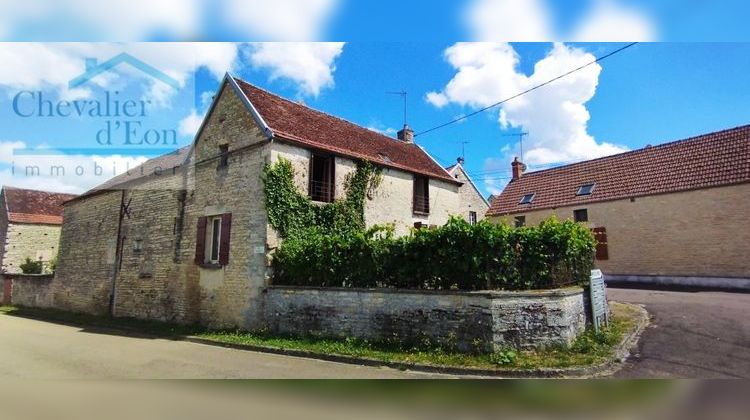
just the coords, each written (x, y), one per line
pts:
(474, 201)
(676, 213)
(30, 223)
(185, 237)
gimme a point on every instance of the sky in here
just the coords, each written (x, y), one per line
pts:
(648, 94)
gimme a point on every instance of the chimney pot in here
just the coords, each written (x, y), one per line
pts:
(517, 168)
(460, 161)
(406, 134)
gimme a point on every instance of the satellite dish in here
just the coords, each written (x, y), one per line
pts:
(523, 167)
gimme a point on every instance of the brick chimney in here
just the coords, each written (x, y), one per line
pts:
(406, 134)
(517, 168)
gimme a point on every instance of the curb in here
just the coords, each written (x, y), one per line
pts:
(607, 367)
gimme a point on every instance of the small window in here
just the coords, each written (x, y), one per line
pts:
(472, 218)
(527, 199)
(138, 245)
(322, 178)
(586, 189)
(520, 221)
(581, 215)
(213, 234)
(418, 225)
(223, 156)
(421, 197)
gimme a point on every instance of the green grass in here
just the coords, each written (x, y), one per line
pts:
(590, 348)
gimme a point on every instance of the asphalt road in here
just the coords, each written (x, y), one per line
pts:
(32, 349)
(692, 335)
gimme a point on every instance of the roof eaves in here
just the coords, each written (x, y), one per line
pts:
(448, 174)
(471, 181)
(250, 107)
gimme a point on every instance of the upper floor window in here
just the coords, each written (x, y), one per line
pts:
(223, 156)
(527, 199)
(472, 218)
(520, 221)
(581, 215)
(586, 189)
(421, 196)
(322, 175)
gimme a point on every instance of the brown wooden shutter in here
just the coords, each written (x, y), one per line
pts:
(602, 251)
(200, 241)
(226, 232)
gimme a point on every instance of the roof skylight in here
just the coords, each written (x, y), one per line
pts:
(586, 189)
(527, 199)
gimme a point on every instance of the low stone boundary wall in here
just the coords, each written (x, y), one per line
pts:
(30, 290)
(466, 321)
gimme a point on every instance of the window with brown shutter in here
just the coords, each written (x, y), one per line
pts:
(602, 251)
(226, 230)
(200, 240)
(421, 195)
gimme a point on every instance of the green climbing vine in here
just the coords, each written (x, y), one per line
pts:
(292, 213)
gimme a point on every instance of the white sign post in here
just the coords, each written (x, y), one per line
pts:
(599, 306)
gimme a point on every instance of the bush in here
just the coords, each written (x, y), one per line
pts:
(457, 256)
(32, 267)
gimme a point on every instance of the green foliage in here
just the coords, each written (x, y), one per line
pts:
(457, 256)
(503, 358)
(52, 265)
(293, 214)
(31, 267)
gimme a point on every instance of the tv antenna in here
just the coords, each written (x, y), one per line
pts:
(404, 95)
(520, 136)
(463, 148)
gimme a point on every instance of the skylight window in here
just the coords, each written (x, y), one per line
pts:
(586, 189)
(527, 199)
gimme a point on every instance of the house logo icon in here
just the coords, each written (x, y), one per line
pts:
(93, 69)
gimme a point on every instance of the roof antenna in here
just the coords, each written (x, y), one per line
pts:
(463, 148)
(520, 136)
(404, 95)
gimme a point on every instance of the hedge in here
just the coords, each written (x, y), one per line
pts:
(457, 256)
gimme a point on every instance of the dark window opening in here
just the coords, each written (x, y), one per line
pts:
(223, 156)
(586, 189)
(581, 215)
(527, 199)
(322, 184)
(421, 197)
(418, 225)
(602, 248)
(520, 221)
(472, 218)
(215, 232)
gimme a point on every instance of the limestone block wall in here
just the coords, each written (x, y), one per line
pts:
(695, 233)
(29, 290)
(471, 199)
(38, 242)
(467, 321)
(391, 202)
(85, 266)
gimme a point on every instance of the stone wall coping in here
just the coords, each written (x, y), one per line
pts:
(28, 276)
(561, 292)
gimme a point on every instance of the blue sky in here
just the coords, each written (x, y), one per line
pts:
(648, 94)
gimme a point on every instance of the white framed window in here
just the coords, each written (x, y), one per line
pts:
(213, 239)
(472, 218)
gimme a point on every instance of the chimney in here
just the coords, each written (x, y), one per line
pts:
(460, 161)
(406, 134)
(517, 168)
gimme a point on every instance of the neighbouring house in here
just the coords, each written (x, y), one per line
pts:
(186, 238)
(471, 198)
(30, 223)
(674, 213)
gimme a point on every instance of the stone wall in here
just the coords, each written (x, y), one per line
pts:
(30, 290)
(34, 241)
(468, 321)
(700, 233)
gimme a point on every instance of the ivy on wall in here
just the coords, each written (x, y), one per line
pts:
(292, 213)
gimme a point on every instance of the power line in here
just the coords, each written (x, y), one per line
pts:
(527, 90)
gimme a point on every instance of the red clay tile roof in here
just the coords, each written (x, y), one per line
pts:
(31, 206)
(297, 123)
(710, 160)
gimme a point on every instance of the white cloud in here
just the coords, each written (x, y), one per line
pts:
(555, 116)
(379, 128)
(534, 20)
(280, 20)
(27, 65)
(509, 20)
(308, 64)
(612, 21)
(189, 125)
(55, 172)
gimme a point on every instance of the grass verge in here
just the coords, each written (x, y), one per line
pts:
(589, 349)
